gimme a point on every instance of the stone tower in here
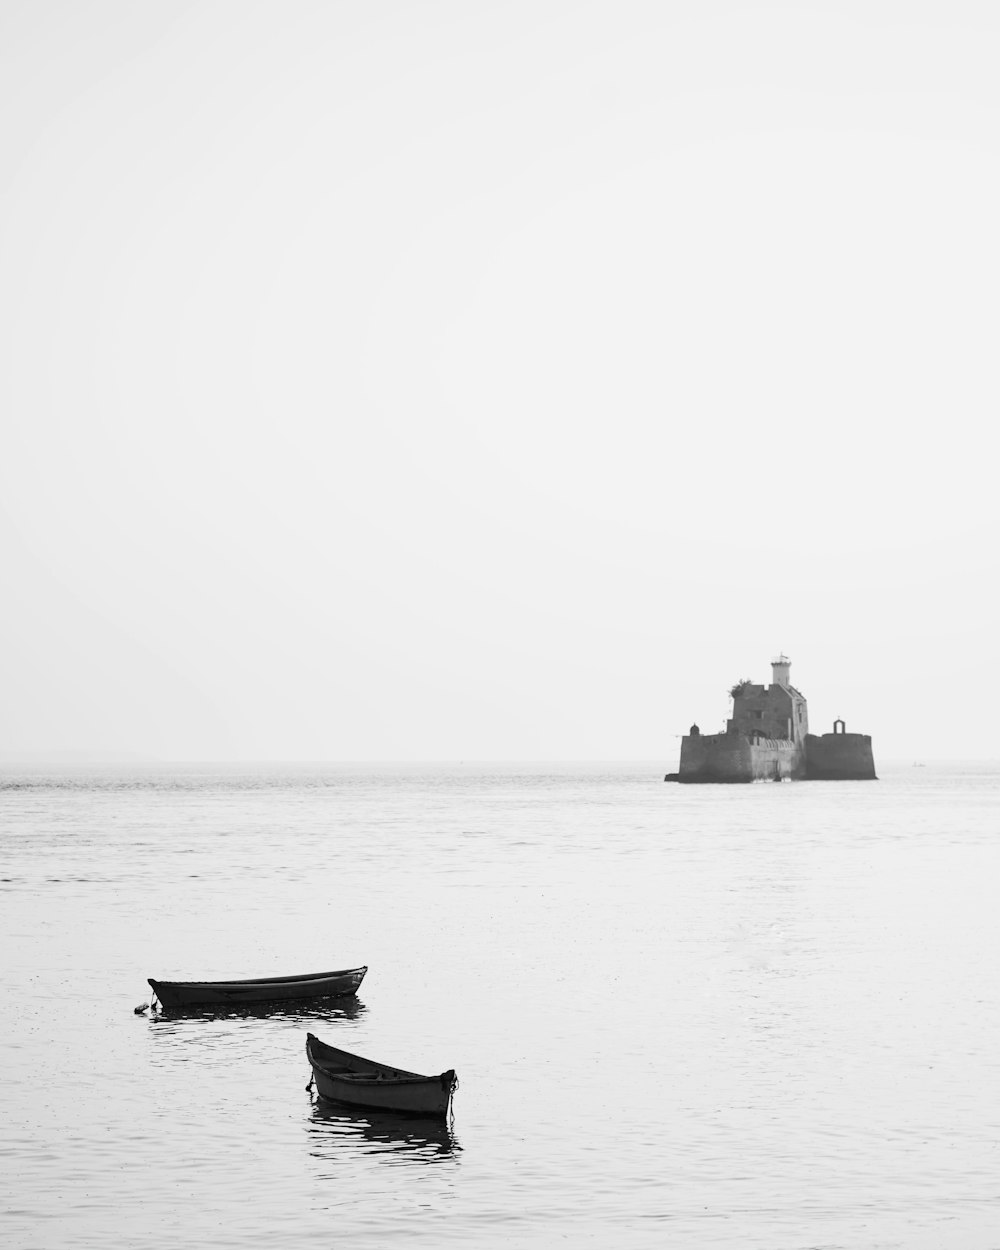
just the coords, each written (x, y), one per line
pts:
(777, 712)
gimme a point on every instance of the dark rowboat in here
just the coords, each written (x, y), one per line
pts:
(258, 989)
(355, 1082)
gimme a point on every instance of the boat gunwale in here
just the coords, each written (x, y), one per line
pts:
(315, 1047)
(400, 1076)
(304, 979)
(381, 1082)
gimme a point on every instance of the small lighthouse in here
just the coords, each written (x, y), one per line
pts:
(780, 669)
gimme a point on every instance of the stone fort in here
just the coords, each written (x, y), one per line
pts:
(767, 738)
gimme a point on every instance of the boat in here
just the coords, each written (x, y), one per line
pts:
(258, 989)
(348, 1079)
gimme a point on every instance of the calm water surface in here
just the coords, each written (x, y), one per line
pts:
(753, 1016)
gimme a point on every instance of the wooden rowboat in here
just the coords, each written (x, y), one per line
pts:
(355, 1082)
(258, 989)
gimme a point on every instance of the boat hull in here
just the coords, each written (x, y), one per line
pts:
(263, 990)
(351, 1081)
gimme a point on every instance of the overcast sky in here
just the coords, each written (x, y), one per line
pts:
(477, 379)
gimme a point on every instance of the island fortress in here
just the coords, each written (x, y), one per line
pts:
(767, 738)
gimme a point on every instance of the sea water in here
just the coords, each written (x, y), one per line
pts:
(690, 1016)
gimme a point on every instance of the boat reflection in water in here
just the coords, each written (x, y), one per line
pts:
(347, 1008)
(388, 1135)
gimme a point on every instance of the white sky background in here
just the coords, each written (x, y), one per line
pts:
(485, 379)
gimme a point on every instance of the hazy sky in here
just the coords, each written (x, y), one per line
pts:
(485, 379)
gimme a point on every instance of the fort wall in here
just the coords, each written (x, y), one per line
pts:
(715, 757)
(840, 757)
(734, 758)
(776, 759)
